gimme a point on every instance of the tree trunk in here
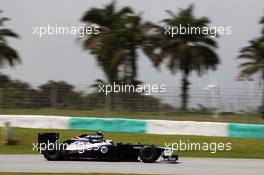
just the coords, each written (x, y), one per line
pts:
(112, 99)
(132, 64)
(262, 106)
(185, 89)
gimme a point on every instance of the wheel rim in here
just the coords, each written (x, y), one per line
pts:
(148, 154)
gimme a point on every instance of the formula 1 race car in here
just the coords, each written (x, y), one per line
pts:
(92, 146)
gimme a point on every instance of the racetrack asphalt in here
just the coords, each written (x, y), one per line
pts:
(185, 166)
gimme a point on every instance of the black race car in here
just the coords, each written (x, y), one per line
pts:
(93, 146)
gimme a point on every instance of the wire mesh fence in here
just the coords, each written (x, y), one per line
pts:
(207, 100)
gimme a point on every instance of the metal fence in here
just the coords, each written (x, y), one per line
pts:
(211, 99)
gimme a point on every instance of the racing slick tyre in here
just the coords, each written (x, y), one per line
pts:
(148, 154)
(53, 152)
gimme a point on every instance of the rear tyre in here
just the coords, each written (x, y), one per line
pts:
(53, 152)
(149, 154)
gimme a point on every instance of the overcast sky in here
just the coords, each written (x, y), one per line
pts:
(61, 58)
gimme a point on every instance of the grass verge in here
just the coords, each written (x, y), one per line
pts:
(241, 147)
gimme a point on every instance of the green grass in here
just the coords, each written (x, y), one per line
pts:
(240, 118)
(241, 147)
(1, 173)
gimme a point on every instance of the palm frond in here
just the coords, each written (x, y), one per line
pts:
(8, 55)
(254, 54)
(2, 20)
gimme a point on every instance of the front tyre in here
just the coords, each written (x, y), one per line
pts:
(149, 154)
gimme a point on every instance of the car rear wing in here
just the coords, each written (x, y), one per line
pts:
(44, 138)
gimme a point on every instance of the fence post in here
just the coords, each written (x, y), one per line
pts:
(262, 103)
(107, 105)
(1, 101)
(53, 97)
(7, 134)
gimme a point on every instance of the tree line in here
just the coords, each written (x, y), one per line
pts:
(124, 34)
(60, 94)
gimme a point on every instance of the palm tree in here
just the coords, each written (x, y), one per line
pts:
(254, 54)
(7, 54)
(116, 47)
(185, 53)
(104, 45)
